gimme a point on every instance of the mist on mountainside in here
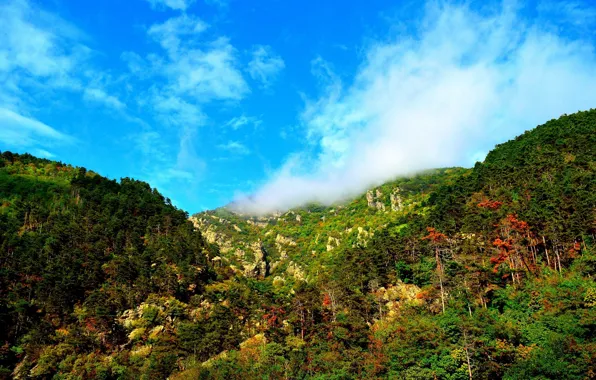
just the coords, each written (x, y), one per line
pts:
(441, 96)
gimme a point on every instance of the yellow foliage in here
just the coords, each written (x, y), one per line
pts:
(136, 333)
(525, 351)
(459, 354)
(295, 342)
(256, 341)
(155, 331)
(142, 352)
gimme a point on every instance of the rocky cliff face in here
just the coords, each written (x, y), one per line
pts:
(249, 256)
(287, 245)
(257, 267)
(375, 199)
(396, 201)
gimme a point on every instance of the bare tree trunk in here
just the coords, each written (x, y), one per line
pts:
(557, 255)
(558, 259)
(442, 294)
(512, 267)
(302, 318)
(467, 355)
(546, 251)
(440, 270)
(533, 250)
(333, 299)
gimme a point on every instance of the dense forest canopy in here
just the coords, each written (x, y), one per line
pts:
(453, 273)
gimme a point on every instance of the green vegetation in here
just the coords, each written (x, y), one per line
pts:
(451, 274)
(77, 251)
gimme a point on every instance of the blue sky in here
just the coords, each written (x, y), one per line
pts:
(214, 100)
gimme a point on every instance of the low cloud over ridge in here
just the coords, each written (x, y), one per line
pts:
(442, 95)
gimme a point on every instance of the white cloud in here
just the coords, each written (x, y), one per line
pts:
(136, 63)
(180, 5)
(193, 70)
(175, 111)
(29, 45)
(37, 51)
(43, 57)
(169, 33)
(100, 96)
(165, 165)
(463, 82)
(240, 121)
(24, 132)
(207, 74)
(265, 65)
(43, 153)
(235, 147)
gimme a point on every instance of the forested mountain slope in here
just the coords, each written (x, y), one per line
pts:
(496, 261)
(451, 274)
(76, 251)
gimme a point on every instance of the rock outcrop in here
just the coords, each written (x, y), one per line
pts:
(363, 237)
(375, 199)
(258, 267)
(396, 201)
(397, 296)
(332, 243)
(260, 224)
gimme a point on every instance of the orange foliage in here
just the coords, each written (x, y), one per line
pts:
(504, 247)
(434, 235)
(512, 231)
(516, 224)
(491, 205)
(575, 249)
(273, 315)
(326, 300)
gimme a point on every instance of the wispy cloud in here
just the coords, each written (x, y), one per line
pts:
(40, 52)
(240, 121)
(37, 50)
(24, 132)
(192, 71)
(175, 111)
(265, 65)
(442, 96)
(192, 67)
(43, 153)
(100, 96)
(157, 164)
(41, 57)
(235, 147)
(176, 31)
(209, 74)
(30, 44)
(180, 5)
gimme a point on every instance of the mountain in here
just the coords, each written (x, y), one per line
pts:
(76, 251)
(453, 273)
